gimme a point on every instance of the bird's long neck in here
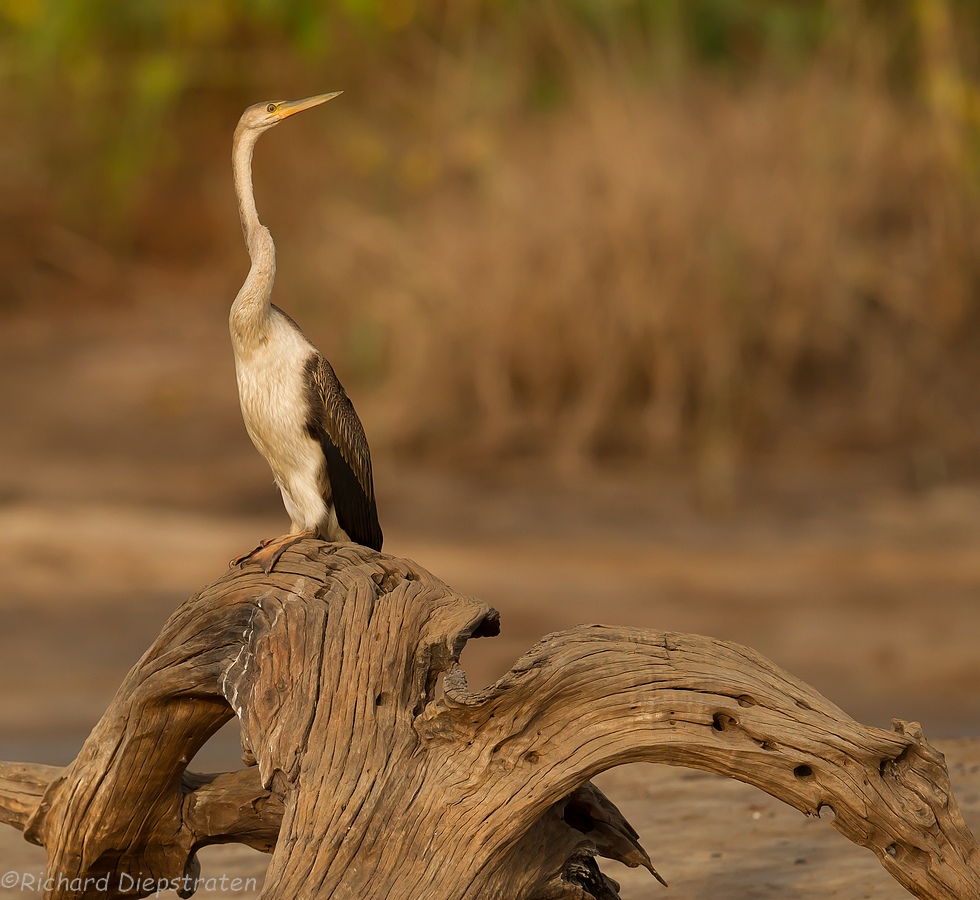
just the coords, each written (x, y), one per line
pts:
(251, 311)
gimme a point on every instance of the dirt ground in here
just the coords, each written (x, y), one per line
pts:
(127, 482)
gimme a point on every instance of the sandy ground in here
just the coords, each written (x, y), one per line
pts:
(127, 482)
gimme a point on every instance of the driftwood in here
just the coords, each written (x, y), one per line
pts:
(369, 779)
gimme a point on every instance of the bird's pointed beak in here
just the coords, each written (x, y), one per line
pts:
(291, 107)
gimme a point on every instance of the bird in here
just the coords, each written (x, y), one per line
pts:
(296, 411)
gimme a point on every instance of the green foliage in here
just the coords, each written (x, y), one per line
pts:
(97, 85)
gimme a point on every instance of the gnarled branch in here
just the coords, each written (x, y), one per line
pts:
(331, 664)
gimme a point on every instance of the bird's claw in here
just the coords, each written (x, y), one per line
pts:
(268, 552)
(239, 561)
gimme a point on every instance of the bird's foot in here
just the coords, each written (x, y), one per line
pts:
(268, 552)
(239, 560)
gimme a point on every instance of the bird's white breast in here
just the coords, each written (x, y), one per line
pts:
(275, 406)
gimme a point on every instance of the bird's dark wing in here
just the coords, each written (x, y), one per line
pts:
(334, 423)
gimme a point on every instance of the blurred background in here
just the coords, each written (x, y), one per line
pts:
(656, 312)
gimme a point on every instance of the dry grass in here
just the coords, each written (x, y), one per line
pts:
(709, 272)
(704, 269)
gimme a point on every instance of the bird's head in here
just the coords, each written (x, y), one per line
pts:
(263, 116)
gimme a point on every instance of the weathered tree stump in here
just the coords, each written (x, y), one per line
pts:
(370, 781)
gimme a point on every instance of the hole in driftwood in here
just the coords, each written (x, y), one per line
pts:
(723, 722)
(804, 773)
(826, 813)
(489, 625)
(890, 766)
(221, 751)
(577, 817)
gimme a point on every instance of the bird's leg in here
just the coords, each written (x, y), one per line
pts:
(268, 552)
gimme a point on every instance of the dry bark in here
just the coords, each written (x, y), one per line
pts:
(370, 782)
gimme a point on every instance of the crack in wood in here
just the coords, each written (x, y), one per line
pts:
(368, 784)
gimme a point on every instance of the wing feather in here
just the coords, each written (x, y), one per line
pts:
(335, 424)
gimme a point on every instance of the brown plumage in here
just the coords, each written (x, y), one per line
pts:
(347, 475)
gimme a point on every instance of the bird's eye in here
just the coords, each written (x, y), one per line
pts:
(271, 107)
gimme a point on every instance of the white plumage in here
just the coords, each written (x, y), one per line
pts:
(273, 392)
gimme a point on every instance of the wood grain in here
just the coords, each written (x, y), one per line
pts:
(372, 780)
